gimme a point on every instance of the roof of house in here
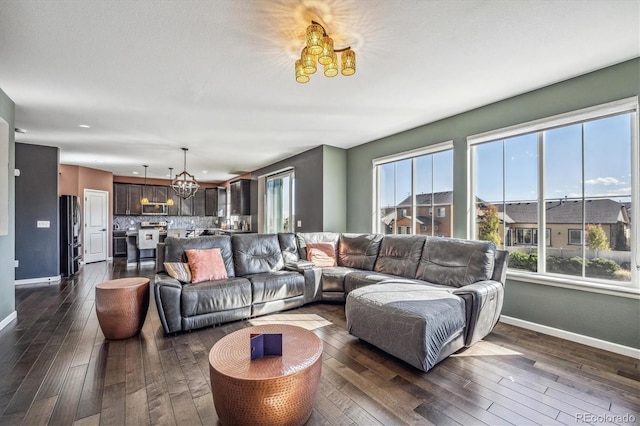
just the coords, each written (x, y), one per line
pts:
(439, 198)
(596, 211)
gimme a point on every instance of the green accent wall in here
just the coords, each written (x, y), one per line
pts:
(7, 242)
(616, 319)
(320, 188)
(334, 188)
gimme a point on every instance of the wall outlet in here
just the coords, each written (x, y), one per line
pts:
(299, 223)
(43, 224)
(16, 263)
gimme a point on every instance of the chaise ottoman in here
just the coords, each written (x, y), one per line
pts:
(419, 324)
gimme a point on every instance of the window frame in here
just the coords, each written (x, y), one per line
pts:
(406, 155)
(622, 106)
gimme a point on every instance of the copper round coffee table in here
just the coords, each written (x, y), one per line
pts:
(121, 306)
(277, 390)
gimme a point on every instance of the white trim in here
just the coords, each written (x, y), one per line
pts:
(575, 283)
(43, 280)
(277, 172)
(573, 337)
(597, 111)
(5, 322)
(436, 147)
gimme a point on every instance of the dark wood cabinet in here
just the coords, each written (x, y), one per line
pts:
(173, 209)
(240, 197)
(126, 199)
(222, 202)
(120, 199)
(135, 198)
(119, 243)
(155, 193)
(215, 202)
(198, 206)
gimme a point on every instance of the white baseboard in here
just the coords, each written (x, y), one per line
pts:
(573, 337)
(13, 315)
(43, 280)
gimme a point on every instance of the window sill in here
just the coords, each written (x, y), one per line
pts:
(575, 284)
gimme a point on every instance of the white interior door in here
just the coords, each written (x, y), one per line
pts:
(96, 225)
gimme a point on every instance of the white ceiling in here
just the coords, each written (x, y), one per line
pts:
(217, 76)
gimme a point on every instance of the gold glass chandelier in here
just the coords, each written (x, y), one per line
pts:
(185, 184)
(320, 50)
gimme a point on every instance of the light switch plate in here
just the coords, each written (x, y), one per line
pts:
(299, 223)
(43, 224)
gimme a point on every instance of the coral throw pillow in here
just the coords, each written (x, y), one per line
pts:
(206, 265)
(178, 270)
(321, 254)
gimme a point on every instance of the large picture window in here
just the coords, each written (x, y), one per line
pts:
(409, 187)
(572, 178)
(279, 203)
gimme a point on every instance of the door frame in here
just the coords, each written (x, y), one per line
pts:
(106, 215)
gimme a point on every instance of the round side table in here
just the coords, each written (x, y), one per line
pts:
(121, 306)
(277, 390)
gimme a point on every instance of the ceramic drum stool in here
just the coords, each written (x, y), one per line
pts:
(121, 306)
(277, 390)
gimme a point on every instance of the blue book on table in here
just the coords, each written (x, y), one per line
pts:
(266, 345)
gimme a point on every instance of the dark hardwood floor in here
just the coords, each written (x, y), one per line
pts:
(56, 368)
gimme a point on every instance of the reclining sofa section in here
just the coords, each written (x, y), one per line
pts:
(459, 283)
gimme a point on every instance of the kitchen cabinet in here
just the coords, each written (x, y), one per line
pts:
(198, 207)
(240, 197)
(119, 243)
(215, 202)
(126, 199)
(155, 193)
(173, 209)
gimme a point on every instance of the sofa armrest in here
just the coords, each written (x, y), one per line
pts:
(483, 304)
(167, 292)
(298, 266)
(312, 279)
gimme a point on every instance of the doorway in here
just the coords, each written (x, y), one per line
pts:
(96, 225)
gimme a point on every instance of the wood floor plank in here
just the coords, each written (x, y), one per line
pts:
(92, 389)
(66, 406)
(40, 411)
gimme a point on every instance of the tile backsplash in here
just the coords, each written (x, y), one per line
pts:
(180, 222)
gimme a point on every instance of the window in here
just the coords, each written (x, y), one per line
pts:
(530, 236)
(575, 176)
(575, 236)
(409, 186)
(278, 203)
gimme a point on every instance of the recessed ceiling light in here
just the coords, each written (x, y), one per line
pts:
(135, 173)
(204, 171)
(84, 126)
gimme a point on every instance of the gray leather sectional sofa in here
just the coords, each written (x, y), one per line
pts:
(418, 298)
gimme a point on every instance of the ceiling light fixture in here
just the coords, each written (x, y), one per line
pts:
(185, 184)
(319, 49)
(144, 200)
(169, 199)
(84, 126)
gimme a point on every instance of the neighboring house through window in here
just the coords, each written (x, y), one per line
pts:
(582, 168)
(409, 186)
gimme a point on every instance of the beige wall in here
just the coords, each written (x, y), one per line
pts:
(73, 180)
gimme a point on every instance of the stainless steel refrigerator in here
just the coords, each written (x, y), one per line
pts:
(70, 227)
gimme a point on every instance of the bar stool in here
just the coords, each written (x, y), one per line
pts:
(148, 239)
